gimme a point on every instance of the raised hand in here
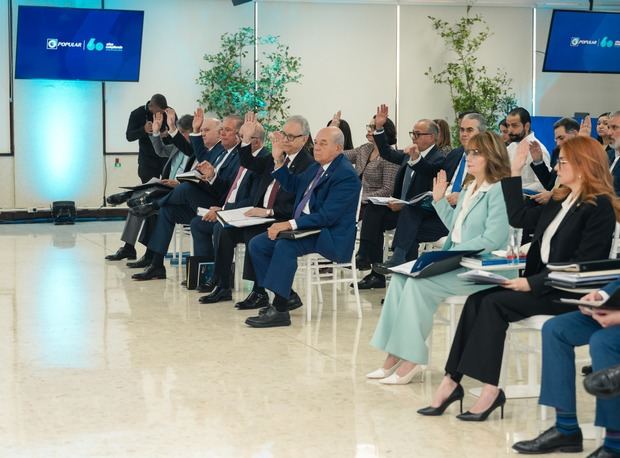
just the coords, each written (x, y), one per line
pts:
(158, 120)
(516, 167)
(586, 126)
(413, 151)
(536, 151)
(171, 118)
(277, 147)
(335, 122)
(148, 127)
(381, 116)
(199, 116)
(249, 127)
(440, 184)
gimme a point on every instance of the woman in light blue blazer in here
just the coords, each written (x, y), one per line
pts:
(479, 222)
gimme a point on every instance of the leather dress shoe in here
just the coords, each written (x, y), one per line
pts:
(551, 441)
(270, 319)
(604, 384)
(362, 263)
(151, 273)
(139, 200)
(122, 253)
(371, 281)
(603, 452)
(383, 268)
(144, 211)
(218, 294)
(119, 198)
(253, 301)
(208, 286)
(586, 370)
(294, 301)
(141, 263)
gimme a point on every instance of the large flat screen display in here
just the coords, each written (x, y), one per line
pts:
(78, 44)
(583, 42)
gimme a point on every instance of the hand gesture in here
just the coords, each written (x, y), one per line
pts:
(440, 184)
(453, 198)
(211, 215)
(607, 318)
(542, 197)
(277, 147)
(518, 284)
(257, 212)
(199, 116)
(276, 228)
(520, 158)
(148, 127)
(249, 127)
(335, 122)
(395, 206)
(381, 117)
(207, 170)
(586, 126)
(413, 151)
(171, 118)
(158, 120)
(536, 151)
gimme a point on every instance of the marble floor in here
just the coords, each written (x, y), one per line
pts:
(93, 364)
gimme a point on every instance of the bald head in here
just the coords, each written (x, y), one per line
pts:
(328, 144)
(210, 131)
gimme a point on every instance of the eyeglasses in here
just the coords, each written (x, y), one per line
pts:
(561, 163)
(371, 127)
(415, 134)
(289, 137)
(472, 152)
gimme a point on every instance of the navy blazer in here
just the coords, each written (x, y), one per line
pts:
(453, 159)
(245, 194)
(615, 174)
(201, 151)
(225, 177)
(333, 205)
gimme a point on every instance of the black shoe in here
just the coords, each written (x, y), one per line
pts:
(604, 384)
(123, 252)
(500, 400)
(371, 281)
(141, 263)
(270, 319)
(144, 211)
(457, 395)
(586, 370)
(140, 200)
(184, 283)
(551, 441)
(603, 452)
(294, 301)
(254, 300)
(208, 286)
(217, 295)
(119, 198)
(383, 268)
(362, 263)
(150, 273)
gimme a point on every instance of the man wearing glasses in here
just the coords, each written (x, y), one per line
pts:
(419, 165)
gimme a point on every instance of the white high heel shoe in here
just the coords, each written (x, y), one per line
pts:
(395, 379)
(383, 373)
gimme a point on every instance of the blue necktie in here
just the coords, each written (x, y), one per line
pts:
(306, 198)
(406, 182)
(458, 180)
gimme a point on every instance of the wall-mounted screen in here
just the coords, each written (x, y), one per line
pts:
(78, 44)
(583, 42)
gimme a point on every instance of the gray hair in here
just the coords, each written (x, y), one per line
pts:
(432, 126)
(482, 123)
(615, 113)
(235, 117)
(338, 137)
(302, 122)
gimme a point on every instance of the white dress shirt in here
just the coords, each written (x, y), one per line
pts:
(545, 243)
(233, 194)
(468, 200)
(306, 209)
(291, 158)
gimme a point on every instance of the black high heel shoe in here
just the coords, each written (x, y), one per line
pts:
(500, 400)
(457, 395)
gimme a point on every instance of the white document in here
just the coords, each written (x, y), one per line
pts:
(405, 268)
(394, 200)
(236, 217)
(482, 276)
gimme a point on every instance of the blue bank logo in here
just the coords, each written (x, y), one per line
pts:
(606, 43)
(94, 45)
(577, 41)
(52, 43)
(574, 41)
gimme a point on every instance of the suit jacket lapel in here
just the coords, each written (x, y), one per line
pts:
(572, 210)
(546, 218)
(477, 199)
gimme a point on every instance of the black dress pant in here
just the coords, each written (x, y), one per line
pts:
(229, 238)
(417, 225)
(376, 220)
(478, 345)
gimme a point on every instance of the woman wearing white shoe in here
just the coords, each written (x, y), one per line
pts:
(479, 222)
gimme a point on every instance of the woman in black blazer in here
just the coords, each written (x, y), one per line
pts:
(576, 225)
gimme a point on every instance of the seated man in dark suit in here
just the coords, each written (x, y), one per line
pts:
(614, 132)
(600, 329)
(327, 197)
(414, 223)
(270, 201)
(177, 163)
(180, 205)
(206, 229)
(209, 129)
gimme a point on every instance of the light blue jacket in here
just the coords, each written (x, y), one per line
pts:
(485, 225)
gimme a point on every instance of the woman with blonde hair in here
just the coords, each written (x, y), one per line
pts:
(577, 224)
(479, 222)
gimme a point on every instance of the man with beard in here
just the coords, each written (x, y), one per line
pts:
(614, 132)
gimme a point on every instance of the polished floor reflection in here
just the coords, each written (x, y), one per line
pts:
(95, 364)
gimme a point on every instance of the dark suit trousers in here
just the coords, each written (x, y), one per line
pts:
(377, 219)
(478, 345)
(169, 216)
(416, 225)
(560, 336)
(203, 237)
(229, 238)
(275, 261)
(188, 194)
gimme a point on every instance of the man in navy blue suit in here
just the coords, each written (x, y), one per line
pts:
(326, 198)
(181, 204)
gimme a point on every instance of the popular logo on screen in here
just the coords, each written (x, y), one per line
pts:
(54, 44)
(605, 42)
(94, 45)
